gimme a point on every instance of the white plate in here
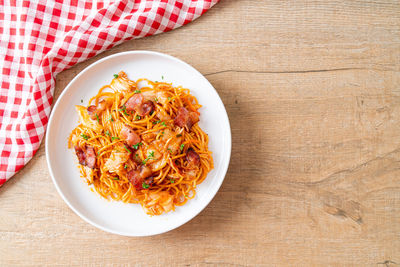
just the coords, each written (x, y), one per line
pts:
(117, 217)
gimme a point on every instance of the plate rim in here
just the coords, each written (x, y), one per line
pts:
(65, 91)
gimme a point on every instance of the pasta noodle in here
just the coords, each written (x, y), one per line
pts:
(139, 142)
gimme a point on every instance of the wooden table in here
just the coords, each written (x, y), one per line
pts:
(312, 89)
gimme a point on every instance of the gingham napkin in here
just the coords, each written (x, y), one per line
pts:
(41, 38)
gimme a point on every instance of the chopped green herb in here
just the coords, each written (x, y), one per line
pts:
(144, 185)
(117, 150)
(81, 100)
(97, 118)
(138, 117)
(137, 155)
(115, 178)
(162, 77)
(186, 195)
(126, 166)
(172, 181)
(84, 136)
(182, 146)
(98, 153)
(156, 99)
(163, 124)
(111, 118)
(137, 91)
(170, 150)
(137, 145)
(115, 76)
(127, 149)
(123, 109)
(156, 81)
(150, 156)
(114, 138)
(108, 133)
(178, 135)
(169, 98)
(155, 122)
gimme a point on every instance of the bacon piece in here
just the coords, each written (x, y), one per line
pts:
(138, 104)
(90, 157)
(145, 171)
(86, 156)
(185, 118)
(193, 119)
(149, 180)
(147, 107)
(193, 158)
(130, 136)
(102, 106)
(94, 111)
(81, 155)
(137, 177)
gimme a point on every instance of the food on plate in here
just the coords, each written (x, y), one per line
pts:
(140, 142)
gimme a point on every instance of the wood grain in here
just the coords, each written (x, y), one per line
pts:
(312, 89)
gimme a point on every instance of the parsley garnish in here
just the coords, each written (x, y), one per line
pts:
(156, 99)
(155, 122)
(144, 185)
(108, 133)
(162, 77)
(150, 156)
(84, 136)
(178, 135)
(97, 118)
(138, 117)
(114, 138)
(182, 146)
(115, 178)
(127, 149)
(137, 145)
(123, 109)
(115, 76)
(137, 91)
(163, 124)
(169, 98)
(170, 150)
(81, 100)
(126, 166)
(111, 118)
(172, 181)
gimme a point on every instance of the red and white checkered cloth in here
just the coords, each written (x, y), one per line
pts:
(41, 38)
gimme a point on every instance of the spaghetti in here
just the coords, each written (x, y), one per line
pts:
(142, 144)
